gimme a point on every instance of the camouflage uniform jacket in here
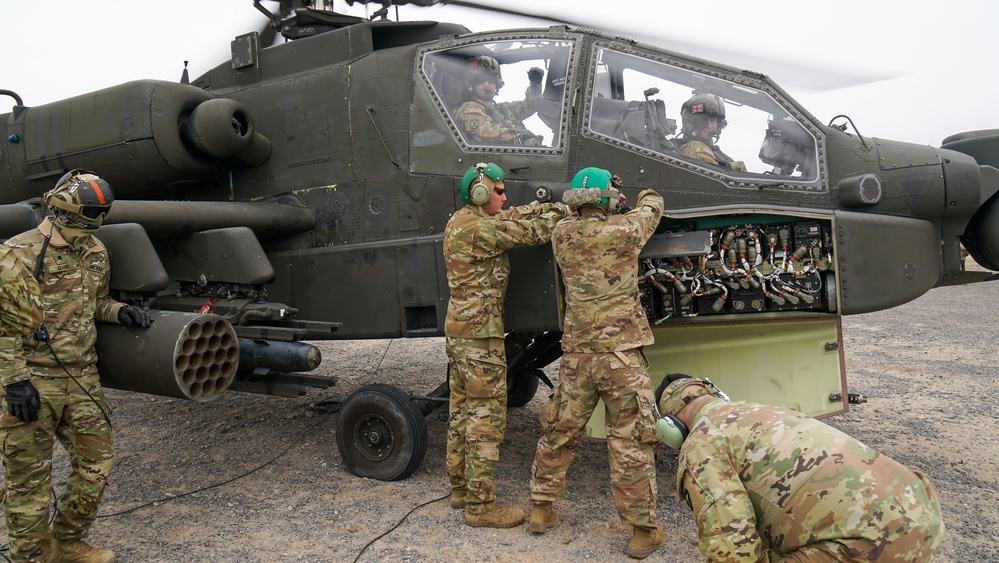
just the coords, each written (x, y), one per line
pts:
(488, 122)
(478, 267)
(20, 314)
(763, 482)
(598, 255)
(74, 286)
(711, 154)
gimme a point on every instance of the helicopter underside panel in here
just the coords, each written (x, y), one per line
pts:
(803, 359)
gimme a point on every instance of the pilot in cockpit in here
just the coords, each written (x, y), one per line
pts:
(486, 122)
(703, 117)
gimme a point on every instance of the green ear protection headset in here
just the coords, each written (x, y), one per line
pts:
(474, 189)
(669, 429)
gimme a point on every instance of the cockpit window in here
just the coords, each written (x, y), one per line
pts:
(704, 120)
(504, 93)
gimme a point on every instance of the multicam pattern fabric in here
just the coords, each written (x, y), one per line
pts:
(604, 329)
(489, 123)
(477, 417)
(74, 289)
(579, 197)
(710, 154)
(478, 270)
(598, 255)
(772, 484)
(20, 314)
(69, 415)
(627, 395)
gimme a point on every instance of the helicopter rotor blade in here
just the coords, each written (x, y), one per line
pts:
(803, 76)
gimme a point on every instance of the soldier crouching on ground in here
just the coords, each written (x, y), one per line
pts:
(478, 268)
(604, 331)
(771, 484)
(58, 395)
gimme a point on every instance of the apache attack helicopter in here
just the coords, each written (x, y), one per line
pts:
(299, 192)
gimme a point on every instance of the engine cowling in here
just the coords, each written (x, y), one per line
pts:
(147, 138)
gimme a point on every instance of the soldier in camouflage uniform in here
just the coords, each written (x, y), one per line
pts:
(489, 123)
(703, 118)
(475, 243)
(61, 379)
(770, 484)
(605, 329)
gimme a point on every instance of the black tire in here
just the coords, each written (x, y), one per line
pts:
(380, 433)
(521, 387)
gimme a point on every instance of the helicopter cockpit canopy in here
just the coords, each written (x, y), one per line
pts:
(527, 121)
(636, 100)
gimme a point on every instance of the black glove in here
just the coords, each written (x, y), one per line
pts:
(535, 75)
(23, 401)
(130, 314)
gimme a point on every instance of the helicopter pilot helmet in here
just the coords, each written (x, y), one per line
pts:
(694, 111)
(481, 68)
(81, 199)
(479, 181)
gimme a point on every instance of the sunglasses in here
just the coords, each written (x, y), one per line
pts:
(499, 191)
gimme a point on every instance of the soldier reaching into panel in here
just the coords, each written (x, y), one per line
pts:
(486, 122)
(476, 241)
(703, 118)
(771, 484)
(605, 329)
(58, 394)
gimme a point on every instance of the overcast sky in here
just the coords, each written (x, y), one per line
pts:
(933, 64)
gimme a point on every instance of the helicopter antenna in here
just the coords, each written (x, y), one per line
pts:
(843, 128)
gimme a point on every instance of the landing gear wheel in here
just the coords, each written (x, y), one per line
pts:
(380, 433)
(521, 387)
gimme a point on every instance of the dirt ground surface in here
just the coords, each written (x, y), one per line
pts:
(271, 485)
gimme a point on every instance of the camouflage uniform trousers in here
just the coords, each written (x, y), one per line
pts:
(627, 395)
(477, 417)
(917, 541)
(67, 413)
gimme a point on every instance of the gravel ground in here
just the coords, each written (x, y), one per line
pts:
(248, 478)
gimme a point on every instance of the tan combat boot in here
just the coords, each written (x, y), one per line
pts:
(79, 551)
(644, 541)
(495, 517)
(543, 517)
(458, 498)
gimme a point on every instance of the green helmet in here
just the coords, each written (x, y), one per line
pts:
(590, 187)
(481, 68)
(483, 174)
(701, 105)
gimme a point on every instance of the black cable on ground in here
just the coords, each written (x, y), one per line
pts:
(323, 407)
(399, 523)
